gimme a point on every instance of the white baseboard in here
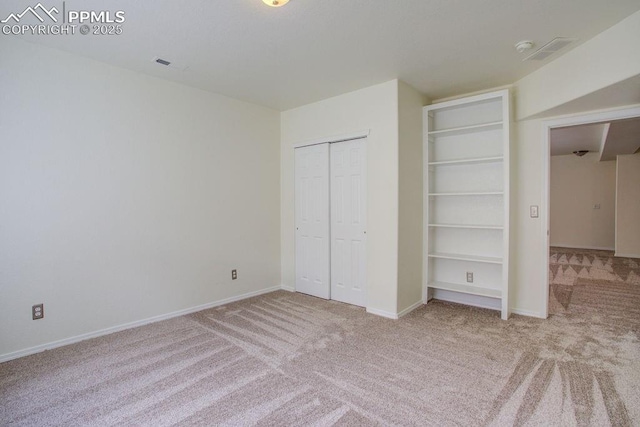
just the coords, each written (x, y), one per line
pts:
(518, 311)
(528, 313)
(72, 340)
(287, 288)
(595, 248)
(467, 299)
(626, 255)
(409, 309)
(382, 313)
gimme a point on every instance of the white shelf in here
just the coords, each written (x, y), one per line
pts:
(473, 226)
(472, 258)
(467, 161)
(466, 129)
(478, 193)
(466, 188)
(466, 289)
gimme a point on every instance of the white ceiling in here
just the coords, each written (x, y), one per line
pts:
(566, 140)
(623, 138)
(310, 50)
(609, 139)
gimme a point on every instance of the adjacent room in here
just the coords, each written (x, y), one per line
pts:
(594, 235)
(295, 212)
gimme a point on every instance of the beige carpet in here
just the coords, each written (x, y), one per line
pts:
(570, 269)
(288, 359)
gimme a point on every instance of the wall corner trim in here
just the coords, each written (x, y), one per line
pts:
(409, 309)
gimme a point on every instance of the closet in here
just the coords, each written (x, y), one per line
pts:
(330, 220)
(466, 200)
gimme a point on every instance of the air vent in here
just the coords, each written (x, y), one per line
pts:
(169, 64)
(549, 49)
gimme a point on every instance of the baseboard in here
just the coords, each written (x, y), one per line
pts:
(382, 313)
(409, 309)
(594, 248)
(519, 311)
(467, 299)
(528, 313)
(287, 288)
(626, 255)
(107, 331)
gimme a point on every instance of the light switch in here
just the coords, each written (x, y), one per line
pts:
(533, 211)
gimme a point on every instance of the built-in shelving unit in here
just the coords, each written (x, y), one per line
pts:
(468, 161)
(482, 227)
(467, 199)
(476, 193)
(466, 289)
(460, 130)
(474, 258)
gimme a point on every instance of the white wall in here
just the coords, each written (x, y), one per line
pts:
(410, 218)
(597, 63)
(577, 185)
(628, 206)
(610, 57)
(374, 108)
(126, 197)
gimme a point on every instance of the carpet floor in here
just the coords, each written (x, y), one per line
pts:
(616, 279)
(286, 359)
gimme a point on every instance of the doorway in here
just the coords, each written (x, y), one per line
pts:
(565, 267)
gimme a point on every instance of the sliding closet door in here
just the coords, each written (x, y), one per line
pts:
(348, 222)
(312, 220)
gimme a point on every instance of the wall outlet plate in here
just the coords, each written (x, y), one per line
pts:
(37, 312)
(234, 274)
(469, 277)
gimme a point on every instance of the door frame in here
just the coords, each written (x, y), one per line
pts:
(333, 139)
(626, 112)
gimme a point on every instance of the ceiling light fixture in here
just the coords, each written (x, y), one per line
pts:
(275, 3)
(580, 153)
(524, 46)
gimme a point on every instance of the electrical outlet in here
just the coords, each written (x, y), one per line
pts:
(37, 311)
(469, 277)
(234, 274)
(596, 206)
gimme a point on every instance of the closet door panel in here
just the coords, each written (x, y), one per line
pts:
(312, 220)
(348, 222)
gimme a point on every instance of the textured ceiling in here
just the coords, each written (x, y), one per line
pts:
(314, 49)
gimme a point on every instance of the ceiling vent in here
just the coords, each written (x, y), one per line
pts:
(549, 49)
(170, 64)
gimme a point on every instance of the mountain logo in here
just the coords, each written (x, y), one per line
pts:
(34, 11)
